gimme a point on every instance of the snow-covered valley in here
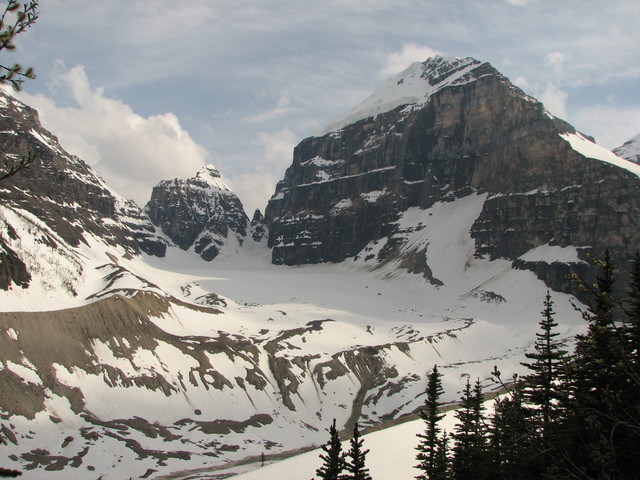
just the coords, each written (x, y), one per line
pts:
(229, 359)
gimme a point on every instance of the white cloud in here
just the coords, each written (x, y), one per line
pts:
(518, 3)
(610, 125)
(132, 153)
(522, 83)
(554, 100)
(282, 108)
(556, 61)
(411, 52)
(256, 187)
(277, 147)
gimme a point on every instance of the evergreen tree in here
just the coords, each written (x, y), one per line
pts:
(632, 320)
(441, 465)
(544, 386)
(598, 432)
(8, 473)
(470, 459)
(512, 439)
(428, 446)
(355, 464)
(333, 458)
(15, 19)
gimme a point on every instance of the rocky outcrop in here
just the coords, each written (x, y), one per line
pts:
(62, 191)
(200, 212)
(258, 227)
(438, 131)
(630, 149)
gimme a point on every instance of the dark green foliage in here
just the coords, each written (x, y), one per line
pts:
(441, 467)
(355, 463)
(429, 441)
(513, 437)
(544, 385)
(6, 473)
(632, 319)
(597, 430)
(15, 19)
(333, 457)
(470, 452)
(573, 417)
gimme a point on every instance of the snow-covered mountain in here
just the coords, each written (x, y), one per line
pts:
(440, 132)
(439, 226)
(200, 213)
(630, 149)
(413, 88)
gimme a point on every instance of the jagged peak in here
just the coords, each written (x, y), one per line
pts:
(630, 149)
(414, 86)
(211, 175)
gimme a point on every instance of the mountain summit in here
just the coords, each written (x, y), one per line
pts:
(432, 135)
(200, 213)
(413, 87)
(630, 149)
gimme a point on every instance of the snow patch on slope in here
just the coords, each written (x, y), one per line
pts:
(551, 253)
(592, 150)
(413, 86)
(630, 150)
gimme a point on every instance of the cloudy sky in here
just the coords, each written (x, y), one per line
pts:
(146, 90)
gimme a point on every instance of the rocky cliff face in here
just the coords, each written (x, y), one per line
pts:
(442, 130)
(200, 213)
(62, 192)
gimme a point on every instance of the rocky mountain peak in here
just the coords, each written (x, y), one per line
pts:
(630, 150)
(438, 132)
(258, 227)
(200, 212)
(413, 87)
(211, 176)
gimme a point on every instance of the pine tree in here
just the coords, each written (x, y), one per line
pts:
(632, 320)
(333, 458)
(470, 459)
(8, 473)
(597, 432)
(355, 464)
(428, 446)
(441, 465)
(549, 363)
(512, 439)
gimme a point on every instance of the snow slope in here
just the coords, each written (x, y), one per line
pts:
(413, 86)
(592, 150)
(392, 455)
(630, 150)
(300, 330)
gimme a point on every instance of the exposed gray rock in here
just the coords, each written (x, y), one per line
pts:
(62, 191)
(630, 149)
(258, 227)
(469, 130)
(199, 212)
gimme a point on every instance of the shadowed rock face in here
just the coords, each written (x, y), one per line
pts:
(346, 188)
(62, 191)
(200, 212)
